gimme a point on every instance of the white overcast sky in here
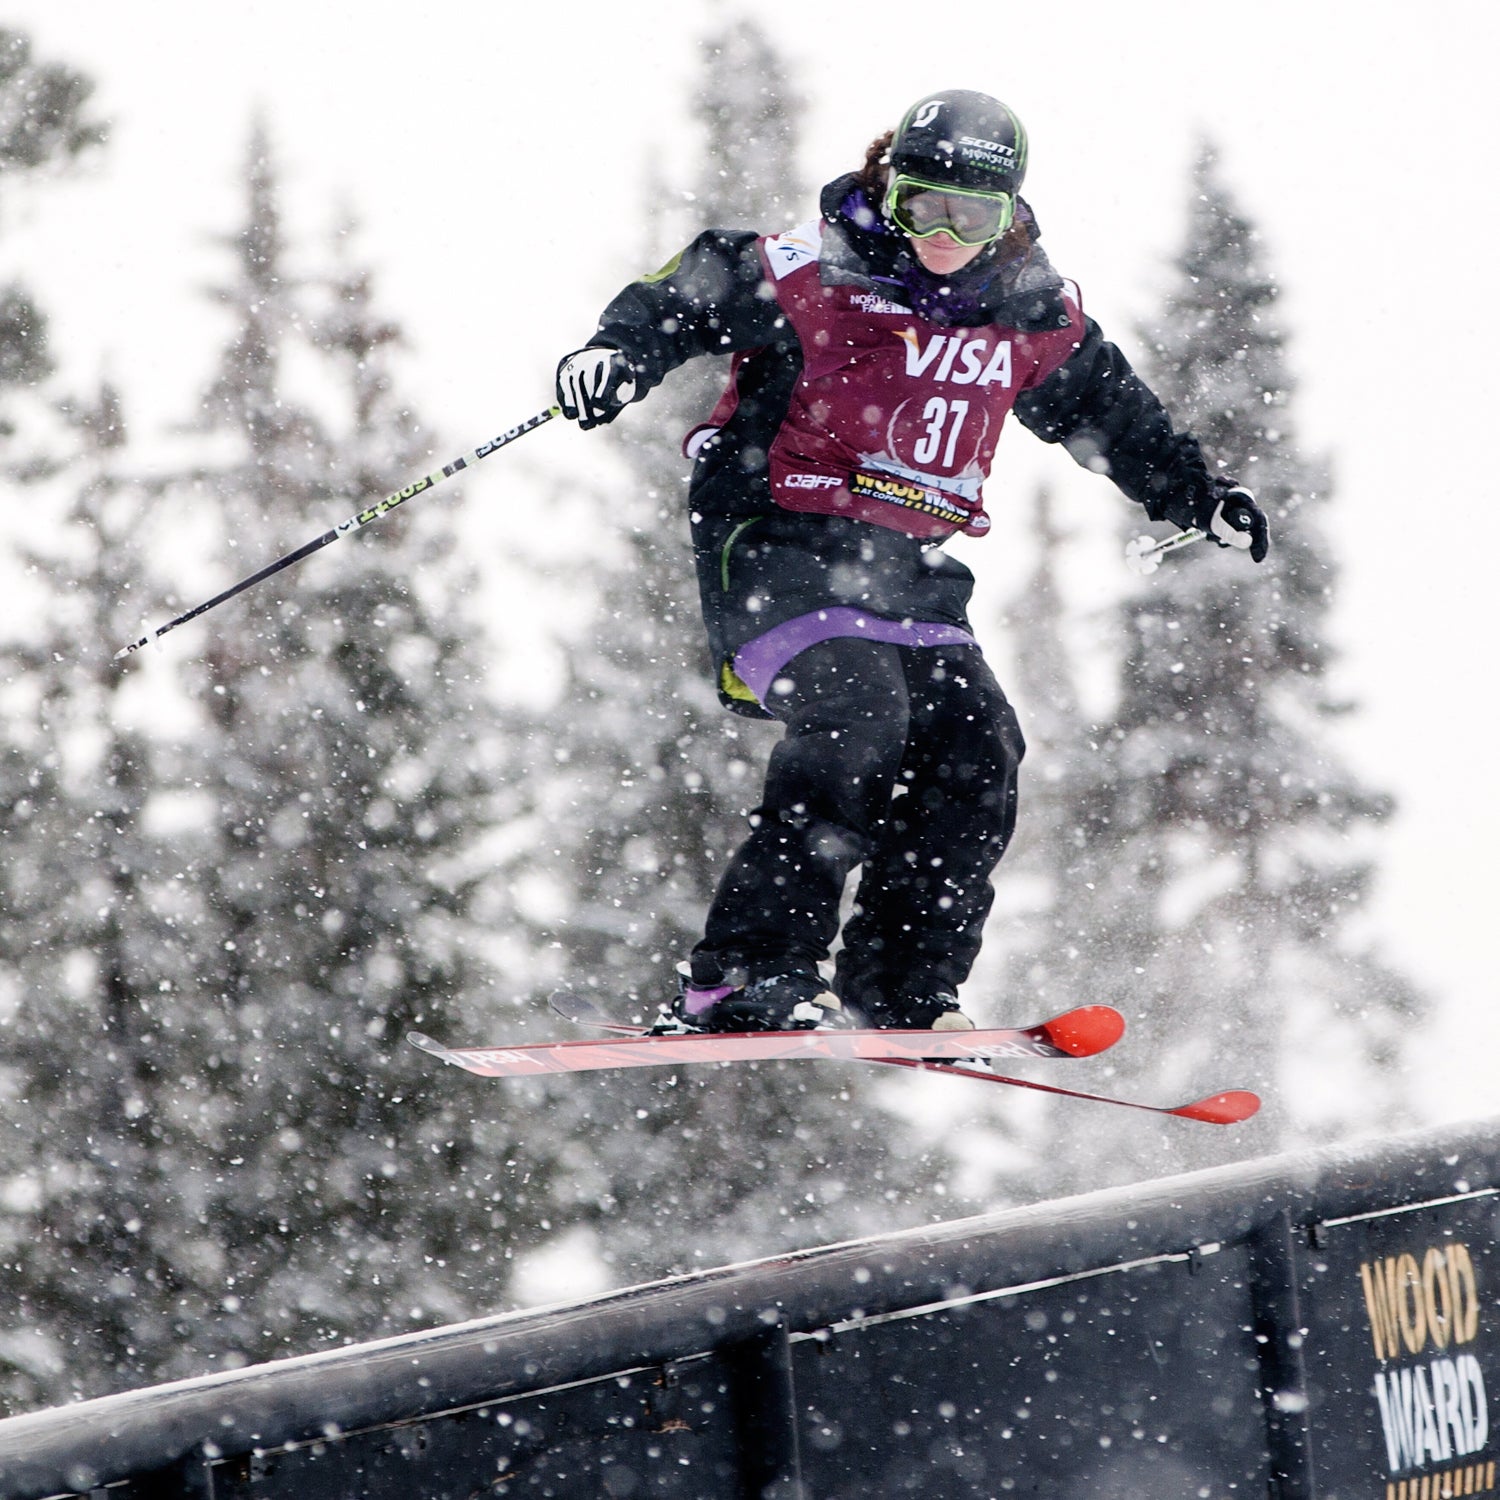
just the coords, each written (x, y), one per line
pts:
(495, 153)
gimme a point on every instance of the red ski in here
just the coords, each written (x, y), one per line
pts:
(1228, 1108)
(1076, 1033)
(1084, 1032)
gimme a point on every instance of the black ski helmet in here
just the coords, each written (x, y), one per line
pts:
(969, 140)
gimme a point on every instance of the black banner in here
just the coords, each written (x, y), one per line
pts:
(1403, 1352)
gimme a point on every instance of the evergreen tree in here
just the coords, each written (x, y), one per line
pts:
(1032, 959)
(97, 1172)
(42, 109)
(346, 759)
(44, 128)
(79, 1170)
(693, 1169)
(680, 771)
(222, 909)
(1218, 861)
(1015, 967)
(1046, 691)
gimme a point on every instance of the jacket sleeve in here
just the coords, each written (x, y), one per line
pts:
(1108, 417)
(711, 298)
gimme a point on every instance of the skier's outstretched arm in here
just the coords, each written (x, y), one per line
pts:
(706, 300)
(1102, 411)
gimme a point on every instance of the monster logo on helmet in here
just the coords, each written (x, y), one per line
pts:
(963, 140)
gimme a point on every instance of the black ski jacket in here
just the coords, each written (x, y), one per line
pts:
(760, 565)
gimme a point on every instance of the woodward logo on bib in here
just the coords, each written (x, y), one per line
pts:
(910, 496)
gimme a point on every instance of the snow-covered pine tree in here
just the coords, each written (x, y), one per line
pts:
(1015, 978)
(80, 1168)
(1224, 849)
(43, 120)
(1044, 689)
(678, 771)
(100, 1155)
(694, 1169)
(346, 761)
(44, 128)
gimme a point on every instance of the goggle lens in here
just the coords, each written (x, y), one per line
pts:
(923, 208)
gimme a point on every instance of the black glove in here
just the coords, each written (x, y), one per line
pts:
(1233, 519)
(594, 385)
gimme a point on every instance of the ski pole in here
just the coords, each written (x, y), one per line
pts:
(354, 523)
(1145, 553)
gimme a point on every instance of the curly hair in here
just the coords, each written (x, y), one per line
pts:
(877, 159)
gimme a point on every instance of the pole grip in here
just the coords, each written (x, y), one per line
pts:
(1144, 553)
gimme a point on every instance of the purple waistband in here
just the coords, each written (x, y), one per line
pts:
(757, 662)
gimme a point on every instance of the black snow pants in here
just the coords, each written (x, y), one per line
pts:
(902, 759)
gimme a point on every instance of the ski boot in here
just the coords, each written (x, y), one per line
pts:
(938, 1012)
(775, 1002)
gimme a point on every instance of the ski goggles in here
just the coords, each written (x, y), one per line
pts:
(922, 208)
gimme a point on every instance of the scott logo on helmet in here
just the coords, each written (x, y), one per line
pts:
(950, 357)
(995, 148)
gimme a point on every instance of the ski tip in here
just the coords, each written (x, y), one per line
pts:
(1085, 1031)
(426, 1043)
(1229, 1108)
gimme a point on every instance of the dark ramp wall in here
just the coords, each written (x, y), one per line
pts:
(1323, 1324)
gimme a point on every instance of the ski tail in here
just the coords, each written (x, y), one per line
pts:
(434, 1049)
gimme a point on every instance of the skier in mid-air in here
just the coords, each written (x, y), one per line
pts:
(877, 351)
